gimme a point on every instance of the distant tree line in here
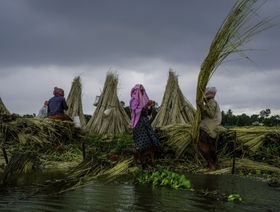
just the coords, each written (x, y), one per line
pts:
(263, 118)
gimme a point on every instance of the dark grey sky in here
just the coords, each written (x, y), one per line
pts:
(44, 43)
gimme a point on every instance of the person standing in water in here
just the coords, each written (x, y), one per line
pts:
(211, 118)
(146, 142)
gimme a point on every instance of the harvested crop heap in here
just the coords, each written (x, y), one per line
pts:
(3, 108)
(175, 108)
(74, 101)
(109, 117)
(177, 138)
(35, 134)
(260, 143)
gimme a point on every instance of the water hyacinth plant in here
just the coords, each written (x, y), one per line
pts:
(164, 178)
(234, 198)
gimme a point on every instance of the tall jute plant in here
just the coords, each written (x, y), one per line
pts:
(175, 108)
(74, 101)
(237, 29)
(109, 117)
(3, 108)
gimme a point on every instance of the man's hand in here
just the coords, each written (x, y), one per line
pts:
(201, 105)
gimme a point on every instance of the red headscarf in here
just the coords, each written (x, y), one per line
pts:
(58, 91)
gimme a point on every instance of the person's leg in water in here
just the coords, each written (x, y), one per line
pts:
(207, 150)
(144, 161)
(147, 159)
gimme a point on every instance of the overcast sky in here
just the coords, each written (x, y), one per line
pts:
(46, 43)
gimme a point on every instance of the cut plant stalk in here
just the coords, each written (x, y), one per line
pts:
(236, 30)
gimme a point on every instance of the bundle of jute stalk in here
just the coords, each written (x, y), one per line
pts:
(20, 163)
(250, 165)
(74, 102)
(3, 108)
(253, 138)
(90, 170)
(36, 134)
(175, 108)
(236, 30)
(178, 137)
(109, 117)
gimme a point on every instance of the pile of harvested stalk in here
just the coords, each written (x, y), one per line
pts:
(74, 101)
(260, 143)
(36, 134)
(253, 138)
(175, 108)
(90, 170)
(109, 117)
(178, 138)
(3, 108)
(107, 158)
(20, 163)
(246, 165)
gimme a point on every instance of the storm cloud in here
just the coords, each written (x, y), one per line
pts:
(46, 43)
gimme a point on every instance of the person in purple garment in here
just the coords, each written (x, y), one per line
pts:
(146, 142)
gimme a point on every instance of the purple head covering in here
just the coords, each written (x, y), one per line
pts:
(137, 103)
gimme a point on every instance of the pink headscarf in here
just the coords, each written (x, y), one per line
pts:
(137, 103)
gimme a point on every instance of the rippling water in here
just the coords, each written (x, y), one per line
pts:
(128, 197)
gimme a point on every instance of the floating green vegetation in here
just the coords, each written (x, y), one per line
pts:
(234, 198)
(164, 178)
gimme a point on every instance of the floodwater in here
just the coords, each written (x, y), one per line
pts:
(99, 196)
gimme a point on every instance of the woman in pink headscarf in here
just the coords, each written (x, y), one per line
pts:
(146, 142)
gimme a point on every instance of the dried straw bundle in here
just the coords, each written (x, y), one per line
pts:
(254, 138)
(109, 117)
(74, 101)
(20, 163)
(236, 30)
(175, 108)
(251, 165)
(3, 109)
(177, 137)
(89, 171)
(36, 134)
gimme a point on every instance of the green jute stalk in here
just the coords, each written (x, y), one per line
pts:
(236, 30)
